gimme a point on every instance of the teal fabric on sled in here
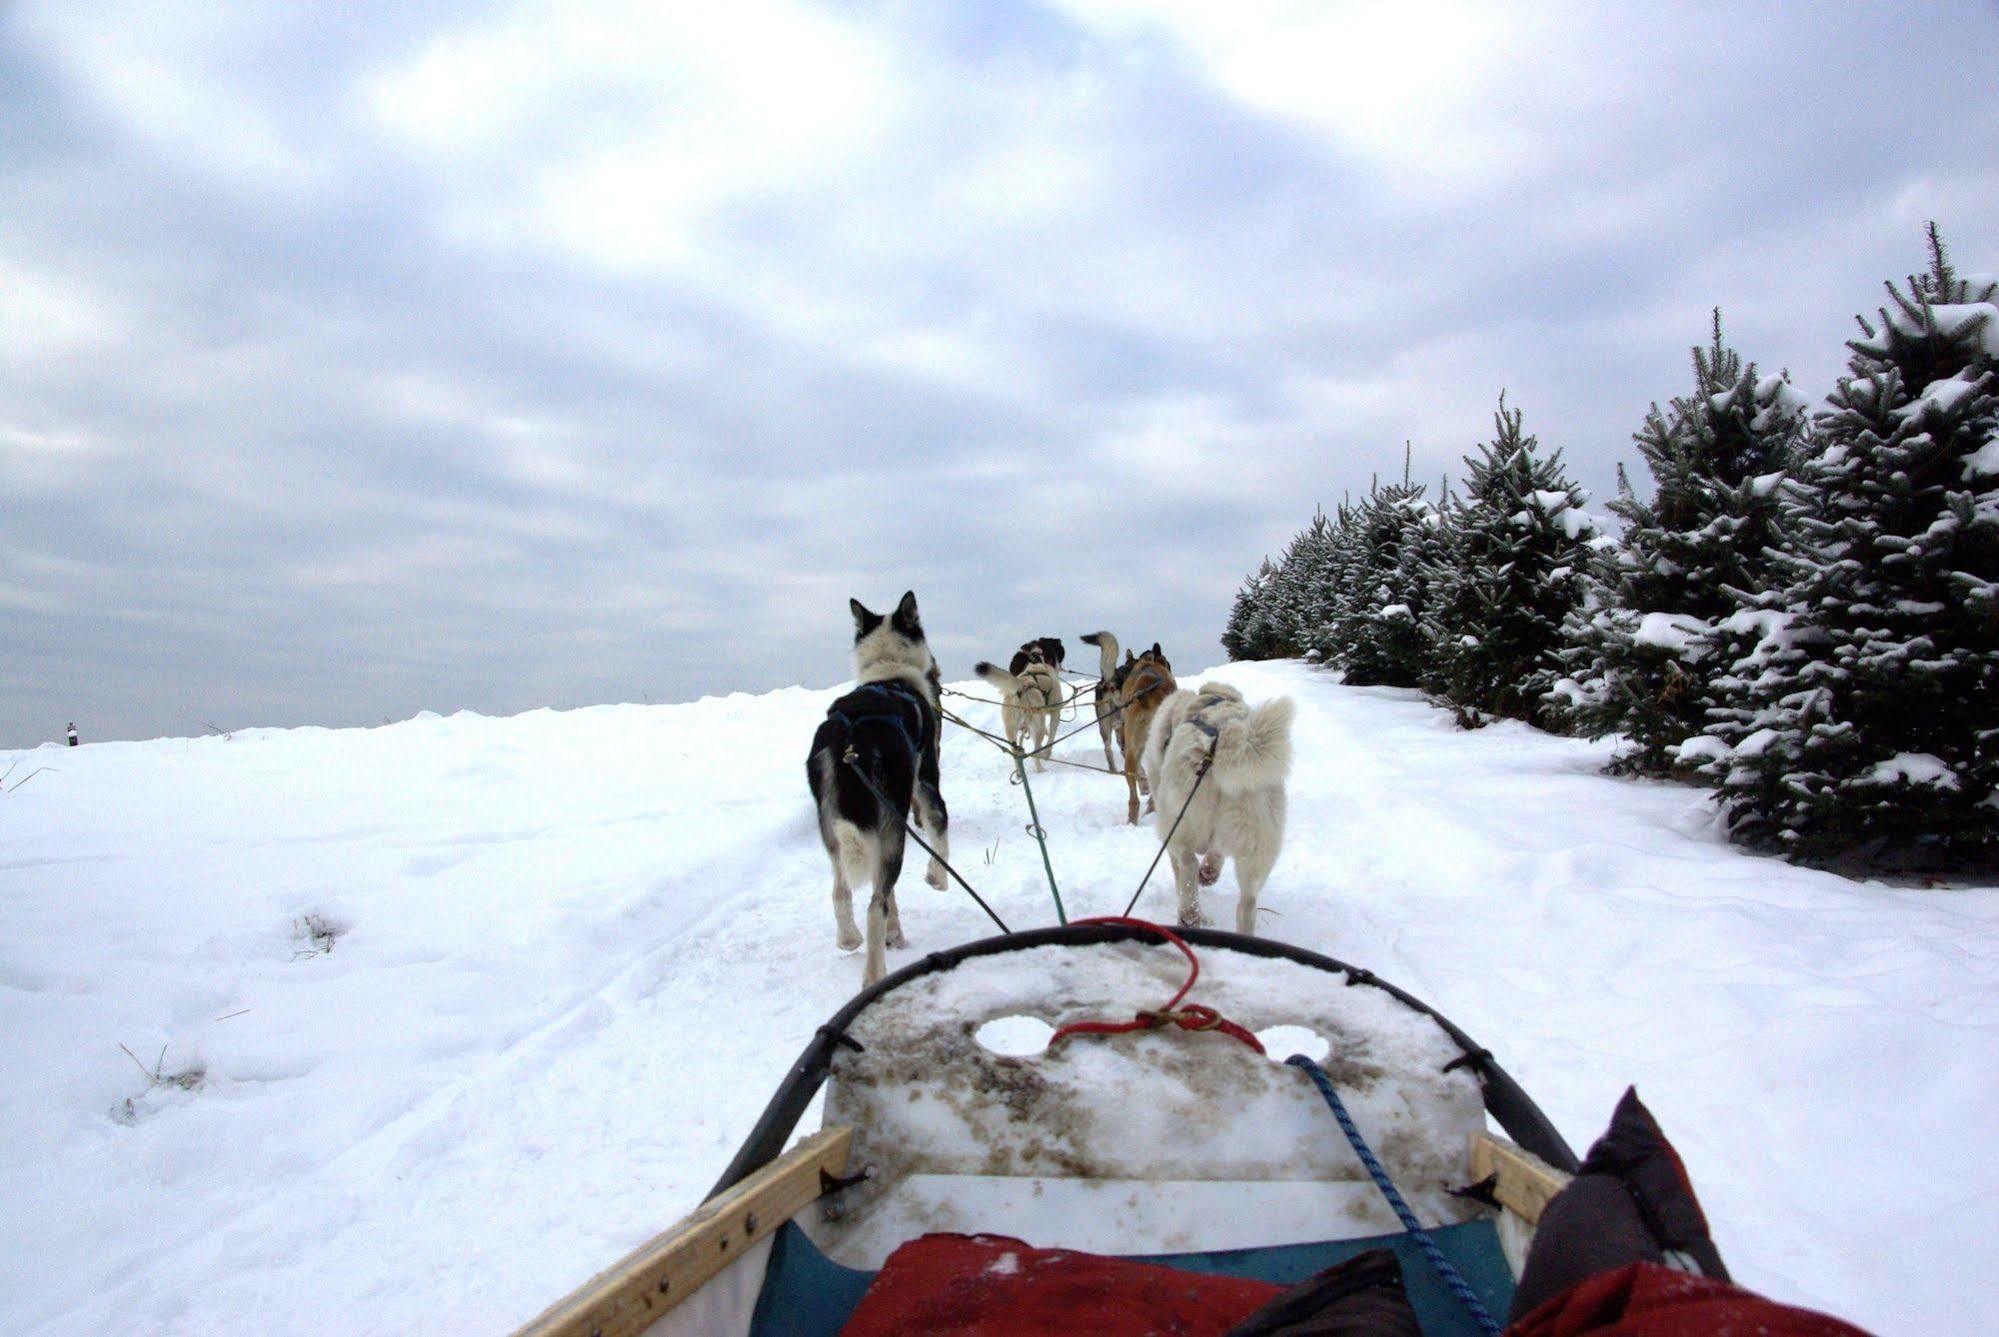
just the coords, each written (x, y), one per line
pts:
(807, 1294)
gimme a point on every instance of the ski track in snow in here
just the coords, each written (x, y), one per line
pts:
(576, 952)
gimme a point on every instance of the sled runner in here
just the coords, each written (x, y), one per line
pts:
(996, 1115)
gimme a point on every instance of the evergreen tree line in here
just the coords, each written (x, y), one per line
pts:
(1803, 615)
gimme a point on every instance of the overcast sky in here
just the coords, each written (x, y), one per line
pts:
(366, 358)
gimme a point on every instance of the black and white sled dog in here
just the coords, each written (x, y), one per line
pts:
(1110, 677)
(1030, 702)
(885, 729)
(1045, 648)
(1238, 811)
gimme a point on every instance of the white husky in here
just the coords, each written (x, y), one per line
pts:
(1030, 703)
(1238, 810)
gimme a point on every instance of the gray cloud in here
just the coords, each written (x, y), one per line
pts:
(397, 357)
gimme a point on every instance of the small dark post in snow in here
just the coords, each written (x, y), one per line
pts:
(72, 735)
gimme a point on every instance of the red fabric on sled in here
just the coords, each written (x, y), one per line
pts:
(992, 1286)
(1647, 1300)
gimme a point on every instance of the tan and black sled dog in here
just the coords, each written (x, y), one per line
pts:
(1237, 812)
(1030, 702)
(1148, 683)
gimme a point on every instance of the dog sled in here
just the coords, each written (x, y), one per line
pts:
(1001, 1110)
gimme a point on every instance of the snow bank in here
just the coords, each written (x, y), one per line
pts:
(573, 953)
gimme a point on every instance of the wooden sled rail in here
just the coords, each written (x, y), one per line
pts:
(658, 1275)
(1522, 1181)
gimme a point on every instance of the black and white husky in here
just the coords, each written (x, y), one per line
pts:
(885, 730)
(1105, 695)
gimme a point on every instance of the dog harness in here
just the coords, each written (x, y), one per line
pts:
(1143, 678)
(885, 711)
(1195, 718)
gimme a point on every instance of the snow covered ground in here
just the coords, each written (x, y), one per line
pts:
(573, 953)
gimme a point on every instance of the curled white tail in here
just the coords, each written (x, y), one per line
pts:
(1255, 752)
(1106, 653)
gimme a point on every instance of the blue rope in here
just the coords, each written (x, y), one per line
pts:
(1451, 1276)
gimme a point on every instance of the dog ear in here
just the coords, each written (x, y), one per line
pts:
(864, 621)
(905, 612)
(1157, 653)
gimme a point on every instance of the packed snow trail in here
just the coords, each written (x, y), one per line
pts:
(574, 952)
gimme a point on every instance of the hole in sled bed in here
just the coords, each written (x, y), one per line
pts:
(808, 1294)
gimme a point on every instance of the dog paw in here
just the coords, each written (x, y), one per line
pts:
(1211, 870)
(935, 877)
(1192, 919)
(849, 939)
(896, 940)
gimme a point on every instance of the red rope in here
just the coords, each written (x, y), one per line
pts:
(1192, 1017)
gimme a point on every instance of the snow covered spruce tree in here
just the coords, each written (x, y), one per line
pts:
(1247, 635)
(1316, 558)
(1648, 638)
(1377, 628)
(1507, 573)
(1866, 722)
(1285, 597)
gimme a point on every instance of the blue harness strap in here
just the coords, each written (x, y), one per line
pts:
(894, 691)
(1201, 725)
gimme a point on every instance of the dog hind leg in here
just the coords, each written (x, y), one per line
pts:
(1250, 875)
(936, 823)
(891, 869)
(847, 849)
(1256, 842)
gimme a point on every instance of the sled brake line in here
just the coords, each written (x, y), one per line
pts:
(1034, 827)
(1045, 750)
(1040, 835)
(1201, 774)
(1074, 696)
(1006, 745)
(852, 758)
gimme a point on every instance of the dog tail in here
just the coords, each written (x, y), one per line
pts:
(997, 676)
(1255, 752)
(1106, 652)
